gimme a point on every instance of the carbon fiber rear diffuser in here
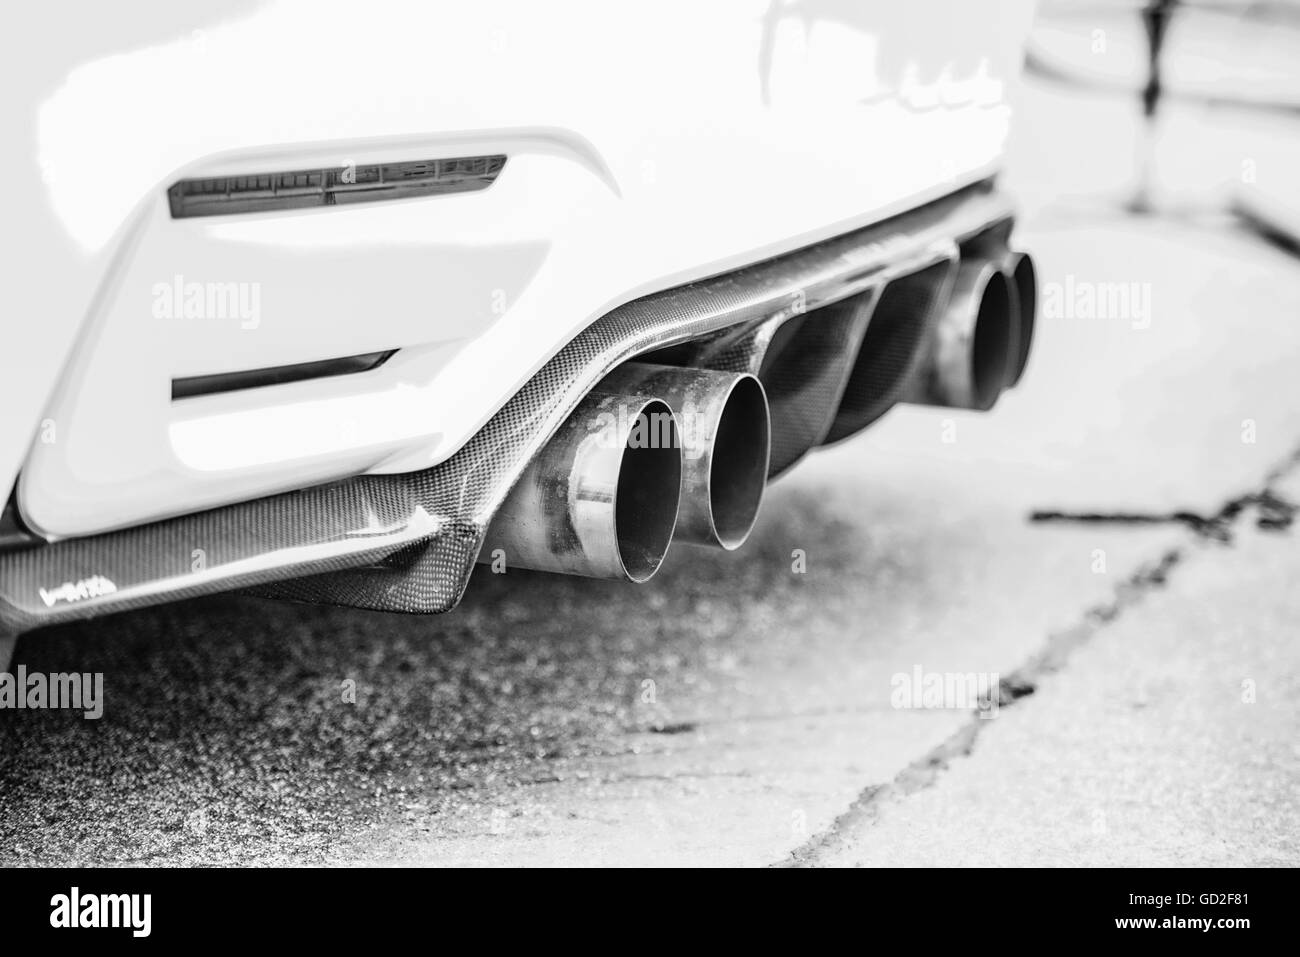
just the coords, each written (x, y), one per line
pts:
(408, 543)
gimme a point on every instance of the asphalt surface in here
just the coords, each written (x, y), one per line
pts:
(1113, 542)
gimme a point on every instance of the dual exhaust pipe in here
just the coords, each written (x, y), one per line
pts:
(653, 453)
(980, 344)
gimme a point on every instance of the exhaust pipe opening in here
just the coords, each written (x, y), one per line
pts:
(600, 498)
(970, 349)
(644, 517)
(738, 466)
(726, 445)
(1024, 285)
(993, 341)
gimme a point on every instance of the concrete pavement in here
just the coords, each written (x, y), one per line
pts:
(1168, 738)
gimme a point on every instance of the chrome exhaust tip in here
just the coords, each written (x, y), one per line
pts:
(726, 445)
(1019, 269)
(600, 499)
(736, 473)
(971, 346)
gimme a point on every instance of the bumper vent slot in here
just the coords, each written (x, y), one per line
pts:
(193, 386)
(333, 186)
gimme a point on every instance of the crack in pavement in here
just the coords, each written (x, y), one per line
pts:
(1012, 687)
(1275, 513)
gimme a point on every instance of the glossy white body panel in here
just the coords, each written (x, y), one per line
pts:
(648, 145)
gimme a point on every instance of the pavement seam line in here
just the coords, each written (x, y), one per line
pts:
(1275, 513)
